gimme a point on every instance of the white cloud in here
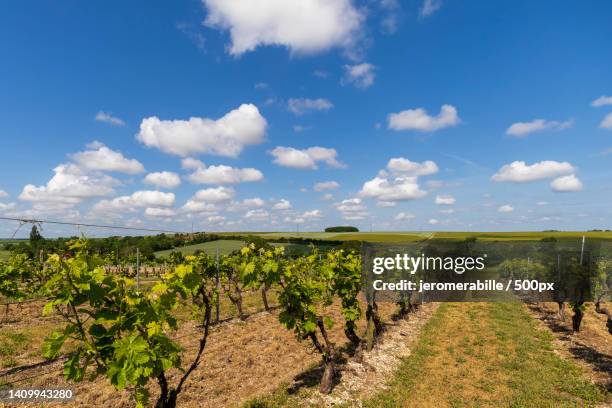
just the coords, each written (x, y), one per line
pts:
(328, 197)
(155, 212)
(352, 209)
(306, 158)
(606, 123)
(205, 201)
(214, 194)
(303, 26)
(100, 157)
(6, 207)
(521, 129)
(602, 101)
(253, 202)
(506, 208)
(402, 166)
(433, 221)
(520, 172)
(226, 136)
(542, 203)
(386, 204)
(70, 185)
(138, 199)
(403, 216)
(224, 175)
(361, 75)
(445, 200)
(163, 179)
(300, 128)
(429, 7)
(216, 219)
(326, 185)
(190, 163)
(566, 184)
(301, 106)
(390, 20)
(418, 119)
(3, 193)
(282, 204)
(312, 214)
(447, 211)
(398, 189)
(106, 117)
(200, 207)
(257, 215)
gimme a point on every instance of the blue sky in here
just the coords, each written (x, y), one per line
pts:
(499, 114)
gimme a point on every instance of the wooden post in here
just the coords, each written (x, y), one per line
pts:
(137, 268)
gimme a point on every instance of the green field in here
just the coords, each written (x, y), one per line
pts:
(210, 248)
(409, 236)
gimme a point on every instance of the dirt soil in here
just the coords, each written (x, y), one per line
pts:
(591, 347)
(242, 360)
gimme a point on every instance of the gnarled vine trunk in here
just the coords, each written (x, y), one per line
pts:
(561, 311)
(329, 357)
(577, 317)
(264, 297)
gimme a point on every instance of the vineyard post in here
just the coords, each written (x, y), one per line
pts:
(217, 284)
(138, 268)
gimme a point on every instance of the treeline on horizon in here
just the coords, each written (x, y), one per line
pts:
(125, 247)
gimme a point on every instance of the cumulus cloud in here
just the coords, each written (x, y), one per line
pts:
(404, 216)
(403, 166)
(522, 129)
(301, 106)
(282, 204)
(602, 101)
(100, 158)
(3, 193)
(312, 214)
(433, 221)
(224, 175)
(106, 117)
(154, 212)
(189, 163)
(70, 185)
(566, 184)
(214, 194)
(257, 215)
(429, 7)
(306, 158)
(520, 172)
(326, 185)
(361, 75)
(445, 200)
(226, 136)
(398, 189)
(606, 123)
(138, 199)
(419, 119)
(163, 179)
(506, 208)
(205, 201)
(352, 209)
(302, 26)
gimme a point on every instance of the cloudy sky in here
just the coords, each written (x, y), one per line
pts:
(269, 115)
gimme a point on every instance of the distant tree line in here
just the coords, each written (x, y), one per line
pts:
(116, 247)
(341, 228)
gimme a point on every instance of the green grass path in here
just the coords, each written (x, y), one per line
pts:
(486, 355)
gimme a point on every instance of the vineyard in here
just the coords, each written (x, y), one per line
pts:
(256, 325)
